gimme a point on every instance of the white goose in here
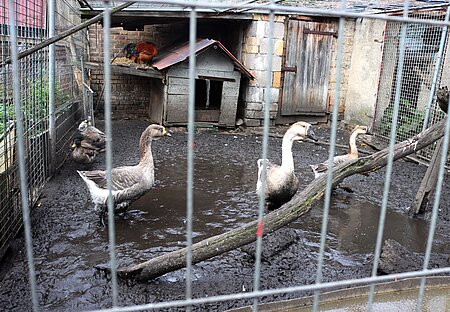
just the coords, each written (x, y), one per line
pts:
(128, 182)
(320, 169)
(281, 182)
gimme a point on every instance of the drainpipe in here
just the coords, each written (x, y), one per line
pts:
(51, 88)
(437, 70)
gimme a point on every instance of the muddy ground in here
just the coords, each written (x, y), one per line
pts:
(68, 241)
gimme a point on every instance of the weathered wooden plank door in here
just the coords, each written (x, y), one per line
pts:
(306, 68)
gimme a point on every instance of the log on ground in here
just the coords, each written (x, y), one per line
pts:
(298, 206)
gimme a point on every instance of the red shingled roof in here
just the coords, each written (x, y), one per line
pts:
(180, 53)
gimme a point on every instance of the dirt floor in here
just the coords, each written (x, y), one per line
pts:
(69, 242)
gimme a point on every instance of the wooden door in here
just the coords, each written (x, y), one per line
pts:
(306, 68)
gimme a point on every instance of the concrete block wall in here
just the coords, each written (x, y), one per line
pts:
(130, 94)
(254, 56)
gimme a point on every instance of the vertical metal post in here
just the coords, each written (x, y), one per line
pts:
(437, 70)
(326, 207)
(434, 213)
(387, 182)
(86, 111)
(190, 164)
(108, 132)
(21, 156)
(51, 88)
(265, 147)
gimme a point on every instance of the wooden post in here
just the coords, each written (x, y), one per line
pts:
(428, 184)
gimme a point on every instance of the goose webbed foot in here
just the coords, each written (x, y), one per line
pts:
(103, 215)
(121, 208)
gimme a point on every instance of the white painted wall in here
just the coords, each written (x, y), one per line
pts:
(364, 71)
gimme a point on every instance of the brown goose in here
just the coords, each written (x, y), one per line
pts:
(128, 182)
(281, 182)
(92, 134)
(322, 168)
(82, 151)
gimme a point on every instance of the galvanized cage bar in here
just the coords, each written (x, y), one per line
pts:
(400, 99)
(190, 156)
(264, 153)
(108, 132)
(392, 140)
(331, 154)
(21, 154)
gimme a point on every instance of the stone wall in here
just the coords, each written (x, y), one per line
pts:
(255, 58)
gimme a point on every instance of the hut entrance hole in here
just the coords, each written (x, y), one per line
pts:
(208, 99)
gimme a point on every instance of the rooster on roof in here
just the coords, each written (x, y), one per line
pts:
(141, 52)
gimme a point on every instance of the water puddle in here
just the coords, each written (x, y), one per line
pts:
(221, 203)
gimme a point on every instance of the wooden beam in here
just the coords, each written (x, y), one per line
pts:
(429, 182)
(65, 34)
(135, 71)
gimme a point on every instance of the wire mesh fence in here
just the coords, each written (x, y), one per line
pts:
(418, 107)
(34, 102)
(407, 73)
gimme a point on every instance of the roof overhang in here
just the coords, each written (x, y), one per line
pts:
(180, 53)
(136, 19)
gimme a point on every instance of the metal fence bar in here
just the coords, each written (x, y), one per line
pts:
(190, 156)
(286, 290)
(265, 147)
(326, 206)
(51, 87)
(387, 182)
(278, 9)
(435, 210)
(21, 156)
(108, 132)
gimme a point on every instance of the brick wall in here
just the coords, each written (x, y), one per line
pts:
(255, 58)
(347, 50)
(130, 95)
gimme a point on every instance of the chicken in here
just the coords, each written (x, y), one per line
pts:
(141, 52)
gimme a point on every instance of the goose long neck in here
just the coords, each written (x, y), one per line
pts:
(352, 144)
(287, 161)
(146, 153)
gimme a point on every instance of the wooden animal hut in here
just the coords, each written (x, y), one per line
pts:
(217, 82)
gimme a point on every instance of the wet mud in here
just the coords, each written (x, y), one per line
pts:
(68, 240)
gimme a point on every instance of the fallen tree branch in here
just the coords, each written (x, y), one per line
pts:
(298, 206)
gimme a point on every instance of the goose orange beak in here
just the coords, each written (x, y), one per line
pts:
(168, 132)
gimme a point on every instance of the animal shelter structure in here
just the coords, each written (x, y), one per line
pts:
(217, 83)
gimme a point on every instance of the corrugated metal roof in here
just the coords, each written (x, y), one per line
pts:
(367, 6)
(180, 53)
